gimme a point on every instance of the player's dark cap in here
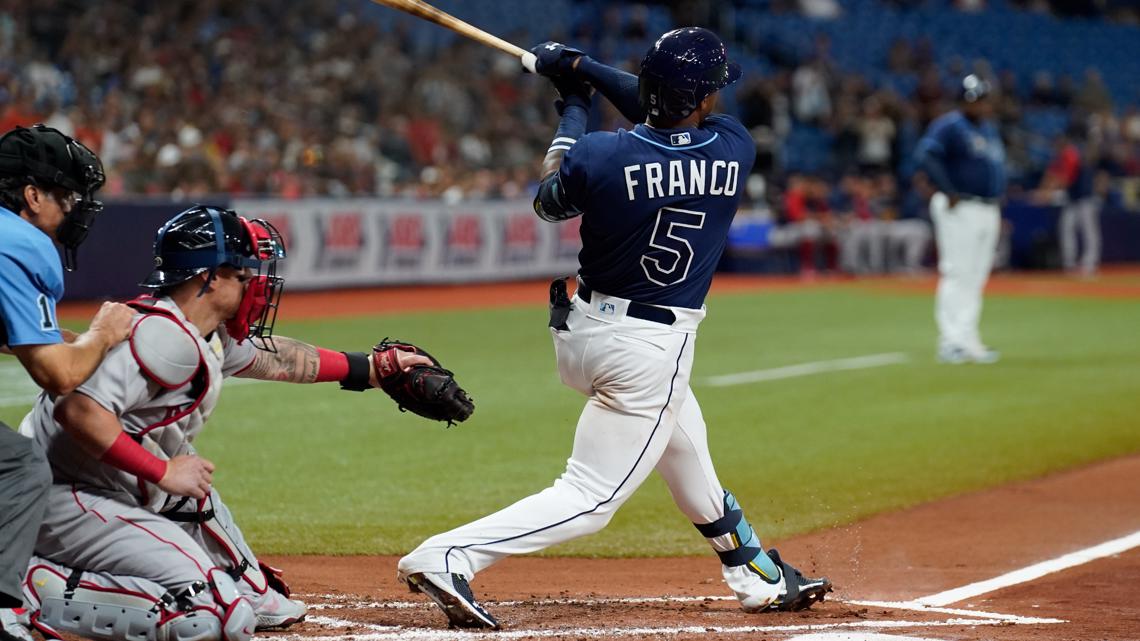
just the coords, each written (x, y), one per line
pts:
(49, 158)
(680, 70)
(973, 89)
(204, 238)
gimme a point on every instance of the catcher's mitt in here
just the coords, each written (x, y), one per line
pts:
(427, 390)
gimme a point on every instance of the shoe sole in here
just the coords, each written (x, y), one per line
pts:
(277, 623)
(460, 614)
(806, 598)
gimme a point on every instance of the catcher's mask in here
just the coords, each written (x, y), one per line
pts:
(202, 239)
(49, 159)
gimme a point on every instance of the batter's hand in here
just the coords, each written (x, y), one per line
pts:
(113, 321)
(554, 59)
(188, 475)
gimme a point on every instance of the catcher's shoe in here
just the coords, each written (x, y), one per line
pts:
(453, 595)
(800, 592)
(276, 612)
(13, 626)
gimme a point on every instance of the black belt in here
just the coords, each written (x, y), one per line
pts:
(636, 309)
(979, 199)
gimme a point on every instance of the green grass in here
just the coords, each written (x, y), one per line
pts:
(310, 469)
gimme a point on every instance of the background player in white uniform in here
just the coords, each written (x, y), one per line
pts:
(656, 203)
(136, 542)
(963, 155)
(47, 187)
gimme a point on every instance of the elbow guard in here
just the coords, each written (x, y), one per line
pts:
(550, 203)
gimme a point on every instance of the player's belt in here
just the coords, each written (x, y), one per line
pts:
(981, 199)
(636, 309)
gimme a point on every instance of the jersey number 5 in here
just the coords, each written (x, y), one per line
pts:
(667, 263)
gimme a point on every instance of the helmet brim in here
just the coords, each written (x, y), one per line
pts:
(734, 73)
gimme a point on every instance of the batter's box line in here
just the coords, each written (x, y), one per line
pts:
(391, 633)
(347, 604)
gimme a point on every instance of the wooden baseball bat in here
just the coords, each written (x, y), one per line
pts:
(424, 10)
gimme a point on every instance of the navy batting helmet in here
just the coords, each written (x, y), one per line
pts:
(974, 88)
(680, 70)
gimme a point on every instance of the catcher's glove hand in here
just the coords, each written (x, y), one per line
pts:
(427, 390)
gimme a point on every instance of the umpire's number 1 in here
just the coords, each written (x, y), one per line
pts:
(46, 320)
(670, 256)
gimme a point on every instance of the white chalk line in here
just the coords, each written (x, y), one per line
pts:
(806, 369)
(384, 633)
(1035, 571)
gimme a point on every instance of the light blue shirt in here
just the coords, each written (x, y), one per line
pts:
(31, 283)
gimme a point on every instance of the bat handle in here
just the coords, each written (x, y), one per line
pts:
(528, 61)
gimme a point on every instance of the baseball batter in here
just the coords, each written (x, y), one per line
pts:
(656, 204)
(136, 543)
(963, 154)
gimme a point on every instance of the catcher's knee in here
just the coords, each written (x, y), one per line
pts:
(68, 605)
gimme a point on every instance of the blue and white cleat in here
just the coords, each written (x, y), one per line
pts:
(453, 595)
(953, 355)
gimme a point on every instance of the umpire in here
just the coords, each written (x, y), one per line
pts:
(963, 155)
(47, 181)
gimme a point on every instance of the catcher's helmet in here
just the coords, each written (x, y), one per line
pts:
(48, 158)
(680, 70)
(973, 88)
(202, 239)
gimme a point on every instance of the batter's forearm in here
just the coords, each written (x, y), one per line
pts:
(619, 87)
(294, 362)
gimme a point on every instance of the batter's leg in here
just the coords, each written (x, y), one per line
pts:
(24, 481)
(624, 428)
(687, 468)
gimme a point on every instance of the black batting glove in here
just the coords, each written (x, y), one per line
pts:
(554, 59)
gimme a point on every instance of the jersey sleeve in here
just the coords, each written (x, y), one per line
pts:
(118, 384)
(573, 173)
(741, 146)
(27, 303)
(236, 357)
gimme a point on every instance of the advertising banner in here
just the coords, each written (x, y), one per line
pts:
(356, 243)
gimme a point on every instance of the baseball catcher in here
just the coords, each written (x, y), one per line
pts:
(136, 543)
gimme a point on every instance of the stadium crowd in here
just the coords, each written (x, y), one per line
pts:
(310, 98)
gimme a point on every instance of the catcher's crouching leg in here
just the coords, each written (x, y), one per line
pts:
(111, 608)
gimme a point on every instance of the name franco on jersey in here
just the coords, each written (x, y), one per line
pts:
(722, 178)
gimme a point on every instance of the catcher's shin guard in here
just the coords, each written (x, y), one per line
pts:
(66, 603)
(753, 576)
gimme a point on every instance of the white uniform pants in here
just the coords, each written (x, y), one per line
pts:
(640, 416)
(1081, 216)
(967, 236)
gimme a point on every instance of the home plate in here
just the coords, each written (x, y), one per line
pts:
(855, 637)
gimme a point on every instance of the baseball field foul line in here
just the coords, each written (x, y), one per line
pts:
(807, 369)
(1036, 571)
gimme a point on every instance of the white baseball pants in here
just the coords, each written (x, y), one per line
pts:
(640, 416)
(967, 236)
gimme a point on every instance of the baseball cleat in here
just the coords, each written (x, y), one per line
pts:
(275, 612)
(960, 355)
(800, 592)
(453, 595)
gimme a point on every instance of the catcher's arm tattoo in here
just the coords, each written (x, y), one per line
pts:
(294, 362)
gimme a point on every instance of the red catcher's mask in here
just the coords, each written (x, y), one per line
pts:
(257, 312)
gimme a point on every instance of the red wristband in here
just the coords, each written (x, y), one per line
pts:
(333, 366)
(129, 456)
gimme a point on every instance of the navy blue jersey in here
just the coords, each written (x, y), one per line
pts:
(657, 205)
(971, 158)
(31, 283)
